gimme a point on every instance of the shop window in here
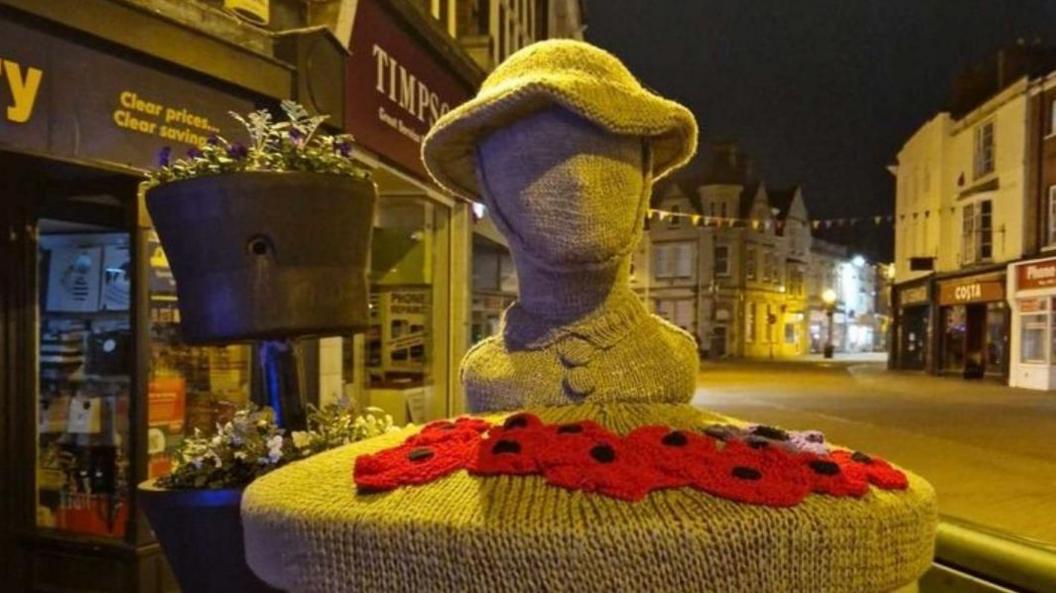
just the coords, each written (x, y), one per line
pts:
(984, 149)
(189, 387)
(790, 333)
(722, 260)
(954, 329)
(85, 371)
(1034, 328)
(401, 363)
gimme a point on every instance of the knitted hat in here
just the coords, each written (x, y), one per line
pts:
(575, 75)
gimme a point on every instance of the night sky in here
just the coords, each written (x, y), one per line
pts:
(817, 92)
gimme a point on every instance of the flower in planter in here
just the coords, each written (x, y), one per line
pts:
(252, 444)
(291, 145)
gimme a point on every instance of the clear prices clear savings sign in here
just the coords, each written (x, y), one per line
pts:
(397, 86)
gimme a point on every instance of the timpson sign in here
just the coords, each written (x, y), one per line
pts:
(1035, 275)
(397, 87)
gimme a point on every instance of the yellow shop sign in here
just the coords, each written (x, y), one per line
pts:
(22, 84)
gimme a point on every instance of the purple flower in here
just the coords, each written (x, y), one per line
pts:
(194, 153)
(213, 140)
(297, 136)
(237, 151)
(344, 148)
(164, 155)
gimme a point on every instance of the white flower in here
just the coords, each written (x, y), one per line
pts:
(275, 448)
(216, 441)
(241, 455)
(301, 438)
(196, 462)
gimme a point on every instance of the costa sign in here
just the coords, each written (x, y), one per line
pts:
(971, 290)
(397, 87)
(1034, 275)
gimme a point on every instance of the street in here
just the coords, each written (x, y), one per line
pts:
(987, 448)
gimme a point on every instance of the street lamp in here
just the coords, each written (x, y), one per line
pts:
(829, 298)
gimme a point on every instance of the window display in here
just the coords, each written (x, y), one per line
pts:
(405, 353)
(189, 387)
(85, 368)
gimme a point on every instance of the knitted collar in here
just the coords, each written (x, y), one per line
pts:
(603, 327)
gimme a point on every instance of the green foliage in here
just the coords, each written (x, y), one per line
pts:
(251, 445)
(291, 145)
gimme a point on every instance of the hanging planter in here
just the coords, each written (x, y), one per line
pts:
(270, 240)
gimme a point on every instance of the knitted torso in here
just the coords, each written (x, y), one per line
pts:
(620, 353)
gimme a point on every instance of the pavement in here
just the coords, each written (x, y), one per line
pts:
(987, 448)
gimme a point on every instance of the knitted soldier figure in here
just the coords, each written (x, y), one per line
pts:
(605, 479)
(572, 210)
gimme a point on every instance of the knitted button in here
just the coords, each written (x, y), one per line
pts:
(578, 382)
(419, 455)
(675, 438)
(575, 352)
(603, 453)
(824, 468)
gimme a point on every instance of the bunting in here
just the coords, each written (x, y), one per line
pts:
(700, 220)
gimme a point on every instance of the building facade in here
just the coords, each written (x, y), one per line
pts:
(1031, 284)
(967, 206)
(728, 261)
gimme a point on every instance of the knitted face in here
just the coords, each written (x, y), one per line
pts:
(564, 191)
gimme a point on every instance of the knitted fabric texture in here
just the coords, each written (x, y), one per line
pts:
(578, 76)
(307, 530)
(577, 332)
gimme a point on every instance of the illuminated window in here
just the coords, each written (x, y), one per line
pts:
(749, 263)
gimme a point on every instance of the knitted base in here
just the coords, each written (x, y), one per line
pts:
(308, 531)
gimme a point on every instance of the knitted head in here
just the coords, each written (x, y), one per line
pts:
(566, 193)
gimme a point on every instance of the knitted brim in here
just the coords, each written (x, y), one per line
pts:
(619, 106)
(307, 529)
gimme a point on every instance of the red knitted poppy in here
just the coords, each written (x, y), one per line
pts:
(879, 472)
(833, 478)
(509, 452)
(464, 428)
(600, 463)
(679, 455)
(410, 463)
(766, 476)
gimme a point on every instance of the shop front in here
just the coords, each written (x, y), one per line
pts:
(1032, 285)
(97, 388)
(973, 326)
(398, 84)
(913, 325)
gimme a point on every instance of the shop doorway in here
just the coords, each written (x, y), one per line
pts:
(914, 338)
(975, 341)
(718, 341)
